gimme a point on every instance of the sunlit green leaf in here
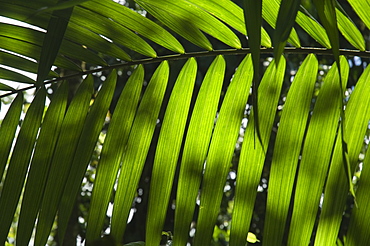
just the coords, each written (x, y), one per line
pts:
(360, 219)
(316, 155)
(196, 147)
(357, 115)
(62, 159)
(7, 130)
(89, 136)
(312, 27)
(113, 148)
(137, 148)
(136, 22)
(189, 19)
(284, 24)
(350, 31)
(39, 168)
(167, 151)
(232, 14)
(362, 8)
(221, 150)
(52, 41)
(252, 155)
(284, 164)
(18, 165)
(270, 10)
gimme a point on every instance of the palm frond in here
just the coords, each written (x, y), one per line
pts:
(196, 106)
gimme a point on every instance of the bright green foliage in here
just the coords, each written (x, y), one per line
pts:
(114, 146)
(302, 132)
(40, 164)
(196, 148)
(137, 147)
(316, 154)
(62, 159)
(168, 149)
(290, 136)
(18, 164)
(253, 153)
(221, 150)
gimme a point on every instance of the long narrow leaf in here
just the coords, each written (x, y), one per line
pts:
(113, 148)
(167, 151)
(270, 9)
(17, 169)
(195, 149)
(137, 23)
(184, 26)
(230, 13)
(62, 159)
(287, 148)
(362, 8)
(137, 148)
(252, 155)
(312, 27)
(39, 168)
(360, 218)
(284, 24)
(316, 156)
(89, 135)
(253, 21)
(52, 41)
(221, 150)
(7, 130)
(336, 190)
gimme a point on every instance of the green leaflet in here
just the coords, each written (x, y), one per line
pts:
(137, 148)
(336, 190)
(93, 40)
(39, 167)
(52, 41)
(253, 21)
(62, 159)
(31, 50)
(360, 219)
(13, 76)
(221, 149)
(284, 24)
(61, 5)
(113, 148)
(4, 87)
(312, 27)
(20, 63)
(31, 37)
(136, 22)
(104, 25)
(187, 20)
(86, 143)
(196, 147)
(167, 151)
(316, 155)
(17, 169)
(327, 14)
(252, 155)
(290, 135)
(362, 8)
(350, 31)
(232, 14)
(7, 130)
(270, 10)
